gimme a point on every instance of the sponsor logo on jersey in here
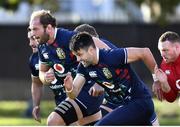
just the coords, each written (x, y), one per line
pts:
(93, 74)
(45, 55)
(60, 53)
(108, 85)
(107, 73)
(59, 68)
(56, 86)
(36, 66)
(178, 84)
(167, 72)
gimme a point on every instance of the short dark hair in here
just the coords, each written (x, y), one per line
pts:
(81, 40)
(87, 28)
(45, 17)
(169, 36)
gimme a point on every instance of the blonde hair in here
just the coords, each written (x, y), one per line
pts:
(44, 16)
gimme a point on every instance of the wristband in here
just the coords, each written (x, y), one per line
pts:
(155, 79)
(69, 91)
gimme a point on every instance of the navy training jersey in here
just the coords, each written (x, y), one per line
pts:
(33, 64)
(58, 55)
(57, 88)
(112, 72)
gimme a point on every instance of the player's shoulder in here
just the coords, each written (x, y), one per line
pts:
(112, 51)
(33, 56)
(63, 31)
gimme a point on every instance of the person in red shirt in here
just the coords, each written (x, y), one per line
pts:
(169, 73)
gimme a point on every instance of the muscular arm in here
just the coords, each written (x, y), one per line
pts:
(36, 90)
(73, 87)
(144, 54)
(168, 93)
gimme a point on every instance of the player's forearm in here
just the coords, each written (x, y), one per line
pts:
(36, 91)
(72, 93)
(73, 87)
(149, 60)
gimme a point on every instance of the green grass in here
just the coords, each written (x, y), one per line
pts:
(168, 113)
(12, 113)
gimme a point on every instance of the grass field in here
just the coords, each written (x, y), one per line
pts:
(12, 113)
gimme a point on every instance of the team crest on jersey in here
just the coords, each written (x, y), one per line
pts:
(107, 73)
(59, 68)
(108, 85)
(60, 53)
(167, 72)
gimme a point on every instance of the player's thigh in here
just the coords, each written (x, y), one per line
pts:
(91, 119)
(68, 111)
(105, 110)
(54, 119)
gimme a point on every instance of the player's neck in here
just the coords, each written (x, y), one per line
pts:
(52, 36)
(96, 56)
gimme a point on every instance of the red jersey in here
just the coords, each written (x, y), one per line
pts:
(172, 71)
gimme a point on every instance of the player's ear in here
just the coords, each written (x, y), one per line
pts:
(49, 27)
(177, 46)
(90, 50)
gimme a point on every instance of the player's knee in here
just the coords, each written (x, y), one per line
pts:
(54, 119)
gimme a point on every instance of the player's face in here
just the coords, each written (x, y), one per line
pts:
(84, 57)
(39, 31)
(32, 42)
(168, 51)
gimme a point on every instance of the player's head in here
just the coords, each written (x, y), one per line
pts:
(41, 24)
(169, 46)
(87, 28)
(32, 42)
(82, 45)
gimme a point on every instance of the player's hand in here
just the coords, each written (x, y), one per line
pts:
(162, 78)
(96, 90)
(156, 88)
(49, 76)
(68, 82)
(36, 113)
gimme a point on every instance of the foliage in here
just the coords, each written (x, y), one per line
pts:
(10, 4)
(166, 6)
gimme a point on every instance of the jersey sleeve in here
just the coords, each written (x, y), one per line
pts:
(43, 56)
(81, 70)
(172, 94)
(32, 67)
(118, 56)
